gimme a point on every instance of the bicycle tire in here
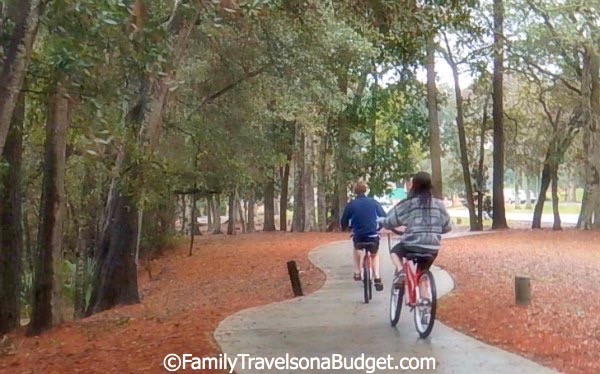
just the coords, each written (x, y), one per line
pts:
(396, 301)
(424, 333)
(366, 282)
(370, 284)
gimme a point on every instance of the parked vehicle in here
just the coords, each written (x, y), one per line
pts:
(509, 196)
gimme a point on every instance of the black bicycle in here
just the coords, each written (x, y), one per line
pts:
(367, 269)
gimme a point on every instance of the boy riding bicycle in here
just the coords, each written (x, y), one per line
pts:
(362, 213)
(425, 219)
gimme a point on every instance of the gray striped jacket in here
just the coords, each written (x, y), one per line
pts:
(425, 226)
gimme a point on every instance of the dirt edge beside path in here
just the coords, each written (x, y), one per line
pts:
(180, 309)
(561, 327)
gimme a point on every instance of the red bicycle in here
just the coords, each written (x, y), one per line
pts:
(417, 291)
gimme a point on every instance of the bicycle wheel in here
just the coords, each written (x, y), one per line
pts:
(370, 284)
(366, 283)
(396, 300)
(425, 309)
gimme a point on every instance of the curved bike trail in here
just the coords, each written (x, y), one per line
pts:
(335, 320)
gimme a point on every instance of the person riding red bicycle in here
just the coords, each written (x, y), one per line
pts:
(361, 214)
(425, 219)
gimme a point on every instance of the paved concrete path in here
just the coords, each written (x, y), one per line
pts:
(335, 320)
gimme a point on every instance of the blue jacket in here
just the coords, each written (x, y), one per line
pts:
(362, 213)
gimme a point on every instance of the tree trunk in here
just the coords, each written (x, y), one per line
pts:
(194, 229)
(341, 177)
(462, 140)
(138, 235)
(435, 150)
(11, 229)
(322, 184)
(299, 216)
(560, 142)
(545, 184)
(283, 199)
(116, 280)
(250, 214)
(580, 219)
(217, 215)
(342, 150)
(183, 215)
(241, 214)
(209, 214)
(48, 303)
(16, 58)
(285, 179)
(556, 225)
(269, 211)
(590, 211)
(309, 195)
(517, 188)
(499, 213)
(29, 255)
(231, 225)
(481, 180)
(193, 223)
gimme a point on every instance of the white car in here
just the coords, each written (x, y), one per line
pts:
(509, 196)
(386, 204)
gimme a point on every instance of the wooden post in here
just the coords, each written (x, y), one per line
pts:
(294, 278)
(522, 290)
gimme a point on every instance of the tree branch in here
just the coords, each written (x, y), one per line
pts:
(567, 84)
(553, 31)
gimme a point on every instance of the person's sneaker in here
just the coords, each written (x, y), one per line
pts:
(357, 277)
(378, 284)
(399, 279)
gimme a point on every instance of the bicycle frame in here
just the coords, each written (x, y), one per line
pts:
(412, 274)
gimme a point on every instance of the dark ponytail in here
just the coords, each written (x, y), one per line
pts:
(421, 189)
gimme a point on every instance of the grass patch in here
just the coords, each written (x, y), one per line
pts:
(564, 208)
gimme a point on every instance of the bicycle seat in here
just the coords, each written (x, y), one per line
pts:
(369, 246)
(419, 256)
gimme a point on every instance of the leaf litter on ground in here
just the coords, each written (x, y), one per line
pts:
(180, 307)
(560, 327)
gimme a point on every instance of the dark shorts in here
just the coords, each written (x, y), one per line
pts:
(424, 263)
(359, 240)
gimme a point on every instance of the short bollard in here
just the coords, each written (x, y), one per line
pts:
(523, 290)
(294, 278)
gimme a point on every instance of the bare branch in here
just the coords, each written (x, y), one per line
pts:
(567, 84)
(209, 99)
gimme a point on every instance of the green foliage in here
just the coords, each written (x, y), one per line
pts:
(26, 293)
(69, 276)
(391, 131)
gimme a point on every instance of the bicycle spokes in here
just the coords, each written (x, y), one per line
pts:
(425, 305)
